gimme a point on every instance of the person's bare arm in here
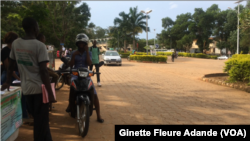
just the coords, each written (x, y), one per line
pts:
(46, 81)
(15, 76)
(88, 59)
(6, 62)
(10, 69)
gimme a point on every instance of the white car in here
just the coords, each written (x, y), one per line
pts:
(112, 57)
(222, 57)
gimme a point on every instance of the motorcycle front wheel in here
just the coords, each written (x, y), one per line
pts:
(60, 83)
(83, 124)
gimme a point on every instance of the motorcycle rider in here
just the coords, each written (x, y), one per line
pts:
(82, 58)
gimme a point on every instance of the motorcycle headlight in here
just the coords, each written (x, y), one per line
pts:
(83, 74)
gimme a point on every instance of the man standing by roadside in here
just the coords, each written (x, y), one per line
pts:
(30, 55)
(173, 56)
(95, 60)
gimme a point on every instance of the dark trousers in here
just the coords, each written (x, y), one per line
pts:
(97, 70)
(40, 112)
(25, 109)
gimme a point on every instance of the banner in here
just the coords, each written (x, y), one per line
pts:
(11, 114)
(165, 132)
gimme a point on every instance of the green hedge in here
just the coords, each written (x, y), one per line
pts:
(158, 53)
(200, 55)
(197, 55)
(125, 55)
(238, 68)
(149, 58)
(164, 53)
(140, 53)
(213, 57)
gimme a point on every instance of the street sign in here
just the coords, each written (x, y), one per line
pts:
(156, 46)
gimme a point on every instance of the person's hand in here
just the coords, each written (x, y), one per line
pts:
(86, 48)
(5, 86)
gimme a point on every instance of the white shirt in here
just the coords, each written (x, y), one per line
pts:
(28, 54)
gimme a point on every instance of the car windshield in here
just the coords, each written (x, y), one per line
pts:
(111, 54)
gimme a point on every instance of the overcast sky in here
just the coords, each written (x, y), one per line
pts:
(103, 13)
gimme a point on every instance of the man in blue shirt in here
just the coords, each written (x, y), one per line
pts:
(82, 58)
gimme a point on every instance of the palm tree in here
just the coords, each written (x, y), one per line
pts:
(122, 27)
(137, 23)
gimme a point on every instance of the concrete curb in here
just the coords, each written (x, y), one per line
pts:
(224, 83)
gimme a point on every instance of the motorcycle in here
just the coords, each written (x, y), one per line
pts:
(84, 97)
(64, 77)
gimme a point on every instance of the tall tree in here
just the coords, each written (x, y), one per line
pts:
(100, 32)
(67, 19)
(202, 26)
(137, 23)
(122, 25)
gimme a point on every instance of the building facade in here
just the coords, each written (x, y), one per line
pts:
(101, 43)
(213, 49)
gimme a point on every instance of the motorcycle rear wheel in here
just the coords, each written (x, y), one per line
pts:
(83, 124)
(60, 83)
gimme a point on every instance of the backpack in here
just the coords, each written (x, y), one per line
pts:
(98, 51)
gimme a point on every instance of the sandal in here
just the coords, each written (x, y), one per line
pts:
(100, 120)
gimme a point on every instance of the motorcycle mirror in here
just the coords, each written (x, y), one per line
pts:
(101, 63)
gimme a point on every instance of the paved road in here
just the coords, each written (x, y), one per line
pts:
(146, 93)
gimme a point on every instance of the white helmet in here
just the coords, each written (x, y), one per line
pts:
(82, 38)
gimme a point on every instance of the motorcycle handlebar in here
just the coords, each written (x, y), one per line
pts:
(73, 70)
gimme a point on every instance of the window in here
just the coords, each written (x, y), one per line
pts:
(111, 54)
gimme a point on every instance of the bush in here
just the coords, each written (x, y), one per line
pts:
(140, 53)
(187, 54)
(148, 58)
(165, 53)
(193, 55)
(213, 57)
(200, 55)
(238, 68)
(125, 55)
(181, 53)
